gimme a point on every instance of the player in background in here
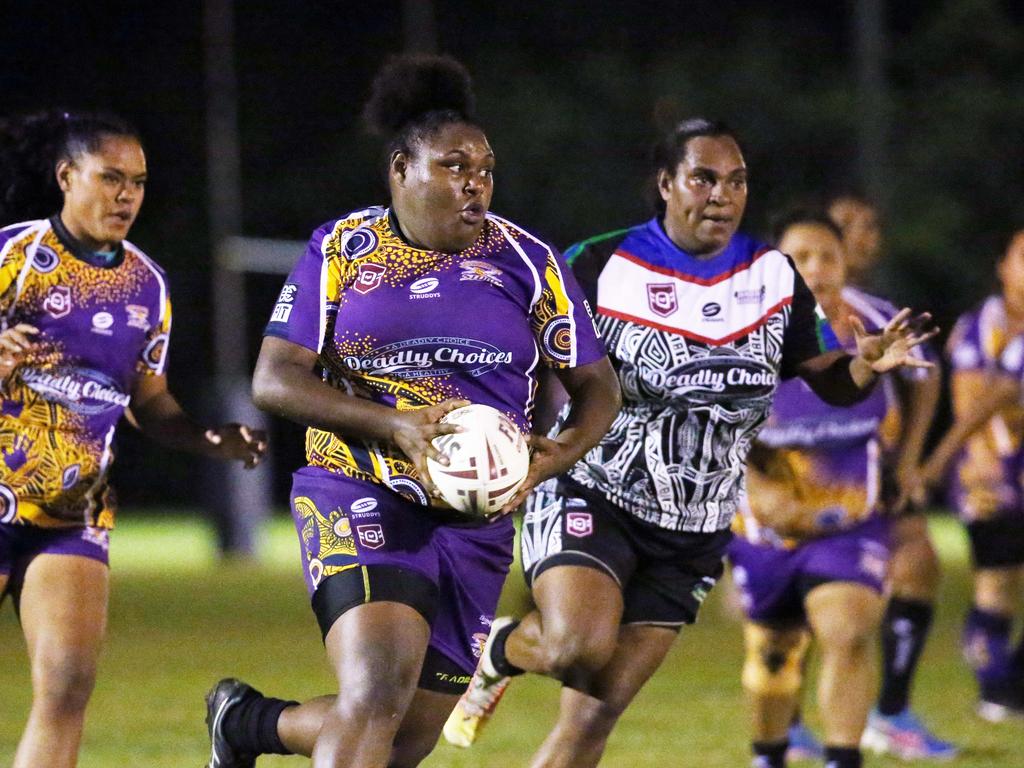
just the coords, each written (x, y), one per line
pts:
(701, 323)
(812, 546)
(914, 569)
(392, 318)
(85, 319)
(986, 355)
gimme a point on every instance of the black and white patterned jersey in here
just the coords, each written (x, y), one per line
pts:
(699, 346)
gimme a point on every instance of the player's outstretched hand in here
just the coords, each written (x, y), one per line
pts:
(547, 458)
(891, 347)
(237, 442)
(15, 343)
(414, 431)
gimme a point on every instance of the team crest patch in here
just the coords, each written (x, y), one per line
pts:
(371, 536)
(480, 270)
(661, 297)
(579, 524)
(369, 277)
(58, 301)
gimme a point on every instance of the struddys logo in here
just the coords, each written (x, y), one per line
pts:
(429, 356)
(81, 390)
(721, 376)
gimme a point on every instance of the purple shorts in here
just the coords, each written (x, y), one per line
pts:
(773, 582)
(362, 542)
(21, 544)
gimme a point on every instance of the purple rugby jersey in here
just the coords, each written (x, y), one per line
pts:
(100, 328)
(408, 328)
(825, 460)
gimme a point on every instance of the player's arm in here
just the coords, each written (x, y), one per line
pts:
(1002, 390)
(157, 413)
(840, 378)
(920, 399)
(286, 384)
(595, 399)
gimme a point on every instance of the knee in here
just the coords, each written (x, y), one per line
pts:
(916, 570)
(773, 665)
(63, 682)
(588, 650)
(377, 691)
(847, 639)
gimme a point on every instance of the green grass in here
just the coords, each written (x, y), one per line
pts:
(180, 620)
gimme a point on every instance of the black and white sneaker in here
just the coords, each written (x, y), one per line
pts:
(221, 698)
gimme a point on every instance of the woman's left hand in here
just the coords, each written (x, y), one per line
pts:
(891, 347)
(547, 458)
(238, 442)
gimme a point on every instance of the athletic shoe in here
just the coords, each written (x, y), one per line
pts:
(904, 736)
(225, 695)
(1000, 709)
(802, 744)
(477, 704)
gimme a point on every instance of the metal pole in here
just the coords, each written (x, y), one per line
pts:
(238, 503)
(873, 108)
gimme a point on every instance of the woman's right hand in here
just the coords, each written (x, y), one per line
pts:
(15, 344)
(415, 430)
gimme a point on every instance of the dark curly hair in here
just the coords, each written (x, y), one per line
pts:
(32, 145)
(670, 150)
(415, 95)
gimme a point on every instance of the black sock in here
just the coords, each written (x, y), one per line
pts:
(904, 632)
(503, 666)
(770, 754)
(842, 757)
(251, 725)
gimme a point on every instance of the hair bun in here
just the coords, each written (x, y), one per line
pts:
(412, 85)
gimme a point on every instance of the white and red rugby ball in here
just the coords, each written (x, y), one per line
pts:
(488, 460)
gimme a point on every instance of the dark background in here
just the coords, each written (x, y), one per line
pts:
(572, 95)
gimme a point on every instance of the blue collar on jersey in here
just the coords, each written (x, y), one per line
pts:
(651, 243)
(101, 259)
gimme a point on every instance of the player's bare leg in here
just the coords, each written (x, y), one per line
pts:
(772, 677)
(299, 726)
(376, 650)
(590, 706)
(844, 617)
(64, 618)
(566, 635)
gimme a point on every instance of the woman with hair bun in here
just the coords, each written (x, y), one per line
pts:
(404, 589)
(85, 320)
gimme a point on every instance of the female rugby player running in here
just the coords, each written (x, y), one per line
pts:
(403, 588)
(814, 542)
(84, 324)
(701, 323)
(986, 354)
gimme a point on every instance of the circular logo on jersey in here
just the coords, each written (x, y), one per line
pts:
(360, 243)
(426, 285)
(8, 504)
(557, 339)
(102, 320)
(45, 259)
(711, 309)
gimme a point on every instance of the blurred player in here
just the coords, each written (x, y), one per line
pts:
(392, 318)
(85, 320)
(701, 323)
(914, 570)
(986, 354)
(813, 546)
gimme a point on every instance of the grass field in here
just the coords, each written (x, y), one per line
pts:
(180, 620)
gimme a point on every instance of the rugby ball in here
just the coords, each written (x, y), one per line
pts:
(488, 460)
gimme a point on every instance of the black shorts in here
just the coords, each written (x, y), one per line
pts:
(999, 542)
(664, 575)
